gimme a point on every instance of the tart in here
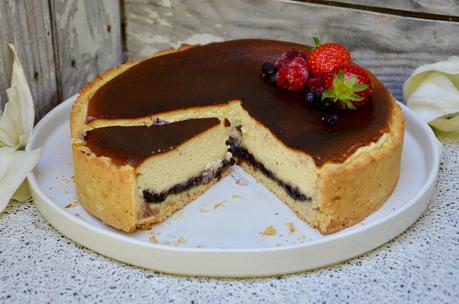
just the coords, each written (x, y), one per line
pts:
(150, 136)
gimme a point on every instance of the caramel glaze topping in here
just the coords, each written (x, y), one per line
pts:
(133, 145)
(218, 72)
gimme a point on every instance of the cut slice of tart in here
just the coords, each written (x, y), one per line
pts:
(132, 177)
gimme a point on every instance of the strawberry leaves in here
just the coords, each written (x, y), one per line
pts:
(349, 86)
(343, 90)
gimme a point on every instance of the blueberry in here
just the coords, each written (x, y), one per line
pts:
(271, 79)
(310, 97)
(268, 69)
(331, 120)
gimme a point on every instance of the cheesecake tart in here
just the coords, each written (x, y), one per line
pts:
(150, 136)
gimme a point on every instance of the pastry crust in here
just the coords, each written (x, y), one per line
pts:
(105, 190)
(354, 190)
(345, 193)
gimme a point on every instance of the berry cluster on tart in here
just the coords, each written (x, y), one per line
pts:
(326, 77)
(320, 132)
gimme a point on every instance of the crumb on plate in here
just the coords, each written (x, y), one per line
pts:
(269, 231)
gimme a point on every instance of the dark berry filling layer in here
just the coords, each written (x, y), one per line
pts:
(243, 155)
(204, 178)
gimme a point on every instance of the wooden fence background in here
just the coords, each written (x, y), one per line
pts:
(64, 43)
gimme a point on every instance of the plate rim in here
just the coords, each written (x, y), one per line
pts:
(424, 190)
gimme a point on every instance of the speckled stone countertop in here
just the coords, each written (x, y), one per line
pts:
(39, 265)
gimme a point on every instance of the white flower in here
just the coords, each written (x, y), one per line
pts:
(16, 125)
(14, 167)
(432, 91)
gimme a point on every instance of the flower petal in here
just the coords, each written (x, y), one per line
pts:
(450, 68)
(433, 93)
(14, 167)
(22, 193)
(435, 97)
(448, 124)
(17, 120)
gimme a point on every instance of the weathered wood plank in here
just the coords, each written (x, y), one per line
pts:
(391, 46)
(440, 7)
(27, 24)
(87, 40)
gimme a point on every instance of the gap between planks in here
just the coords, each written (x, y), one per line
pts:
(382, 10)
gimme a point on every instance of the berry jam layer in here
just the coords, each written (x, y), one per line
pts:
(202, 179)
(219, 72)
(132, 145)
(243, 155)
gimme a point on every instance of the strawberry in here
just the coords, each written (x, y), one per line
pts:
(327, 57)
(293, 75)
(349, 86)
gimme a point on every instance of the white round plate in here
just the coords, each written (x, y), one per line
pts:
(222, 233)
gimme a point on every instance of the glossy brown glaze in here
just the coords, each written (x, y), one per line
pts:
(218, 72)
(132, 145)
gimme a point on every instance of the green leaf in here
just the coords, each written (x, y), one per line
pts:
(316, 41)
(351, 81)
(355, 97)
(359, 87)
(336, 81)
(328, 94)
(350, 106)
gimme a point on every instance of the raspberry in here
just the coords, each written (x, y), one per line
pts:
(293, 75)
(288, 56)
(316, 84)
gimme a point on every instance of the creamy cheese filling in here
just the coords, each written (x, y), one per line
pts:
(243, 155)
(213, 170)
(199, 158)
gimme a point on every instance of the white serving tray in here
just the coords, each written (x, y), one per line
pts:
(221, 233)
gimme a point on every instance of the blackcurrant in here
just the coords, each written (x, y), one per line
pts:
(331, 120)
(268, 69)
(271, 79)
(310, 98)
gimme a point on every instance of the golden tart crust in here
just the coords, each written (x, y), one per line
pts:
(341, 193)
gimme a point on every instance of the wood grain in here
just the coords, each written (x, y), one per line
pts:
(87, 41)
(27, 24)
(389, 45)
(440, 7)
